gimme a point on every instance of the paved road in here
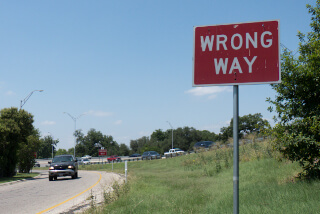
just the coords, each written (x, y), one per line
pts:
(38, 195)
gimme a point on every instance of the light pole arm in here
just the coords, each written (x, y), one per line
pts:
(22, 102)
(73, 118)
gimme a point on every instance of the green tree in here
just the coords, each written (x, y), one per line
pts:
(90, 144)
(46, 144)
(183, 138)
(226, 133)
(251, 123)
(9, 141)
(138, 144)
(62, 152)
(18, 138)
(26, 159)
(71, 151)
(298, 101)
(124, 150)
(208, 136)
(158, 136)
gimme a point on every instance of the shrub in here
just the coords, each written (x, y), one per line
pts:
(299, 142)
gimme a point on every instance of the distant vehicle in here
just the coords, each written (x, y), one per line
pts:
(203, 145)
(135, 155)
(37, 164)
(87, 156)
(113, 158)
(149, 155)
(174, 152)
(85, 161)
(63, 165)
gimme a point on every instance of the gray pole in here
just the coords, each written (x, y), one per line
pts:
(51, 143)
(172, 137)
(171, 132)
(75, 138)
(235, 149)
(75, 128)
(126, 169)
(52, 146)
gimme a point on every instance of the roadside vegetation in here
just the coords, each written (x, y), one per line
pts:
(18, 176)
(203, 183)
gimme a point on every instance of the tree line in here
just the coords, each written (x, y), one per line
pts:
(160, 141)
(185, 138)
(20, 141)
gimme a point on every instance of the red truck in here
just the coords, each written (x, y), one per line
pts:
(114, 158)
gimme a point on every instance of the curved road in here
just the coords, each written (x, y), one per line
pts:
(38, 195)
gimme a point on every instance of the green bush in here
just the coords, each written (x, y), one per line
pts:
(299, 142)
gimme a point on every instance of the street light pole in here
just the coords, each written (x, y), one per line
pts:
(51, 143)
(171, 132)
(22, 102)
(75, 128)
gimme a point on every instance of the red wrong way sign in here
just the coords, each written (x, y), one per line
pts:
(234, 54)
(102, 152)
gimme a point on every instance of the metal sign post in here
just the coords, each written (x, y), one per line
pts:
(126, 169)
(237, 54)
(235, 149)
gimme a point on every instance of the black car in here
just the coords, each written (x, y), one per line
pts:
(149, 155)
(63, 165)
(135, 155)
(203, 145)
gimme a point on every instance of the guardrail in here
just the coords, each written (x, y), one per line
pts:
(171, 155)
(95, 161)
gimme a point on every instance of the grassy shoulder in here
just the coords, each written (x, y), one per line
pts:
(18, 176)
(203, 183)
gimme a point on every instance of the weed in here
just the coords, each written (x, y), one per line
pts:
(92, 202)
(108, 196)
(226, 162)
(218, 166)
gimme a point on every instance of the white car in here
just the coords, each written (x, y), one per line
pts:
(87, 156)
(85, 161)
(173, 152)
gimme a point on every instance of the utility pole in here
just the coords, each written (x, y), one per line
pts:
(75, 128)
(171, 133)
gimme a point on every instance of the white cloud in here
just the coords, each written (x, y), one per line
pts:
(118, 122)
(144, 133)
(48, 123)
(10, 93)
(211, 92)
(216, 127)
(98, 113)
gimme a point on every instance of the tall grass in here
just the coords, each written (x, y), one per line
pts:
(203, 183)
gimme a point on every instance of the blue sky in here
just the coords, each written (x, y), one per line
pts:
(126, 65)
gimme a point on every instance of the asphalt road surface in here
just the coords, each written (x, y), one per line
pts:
(65, 195)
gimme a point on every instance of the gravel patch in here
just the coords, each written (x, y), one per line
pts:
(96, 194)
